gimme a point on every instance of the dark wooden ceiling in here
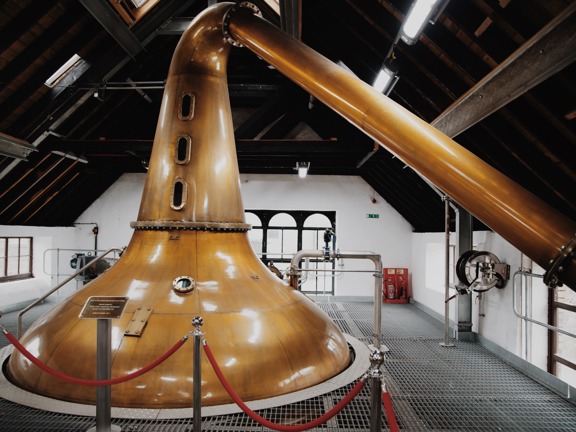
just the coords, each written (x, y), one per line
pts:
(90, 128)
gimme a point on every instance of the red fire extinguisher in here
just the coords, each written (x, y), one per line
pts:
(390, 289)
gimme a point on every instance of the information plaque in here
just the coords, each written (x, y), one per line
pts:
(104, 307)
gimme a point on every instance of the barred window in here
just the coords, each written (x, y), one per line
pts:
(15, 258)
(277, 235)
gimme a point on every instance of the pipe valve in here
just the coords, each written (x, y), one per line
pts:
(328, 233)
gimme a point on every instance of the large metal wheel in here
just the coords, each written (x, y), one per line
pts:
(476, 269)
(461, 266)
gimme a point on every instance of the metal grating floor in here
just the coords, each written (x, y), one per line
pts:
(464, 388)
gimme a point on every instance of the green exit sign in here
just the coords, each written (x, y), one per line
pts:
(372, 215)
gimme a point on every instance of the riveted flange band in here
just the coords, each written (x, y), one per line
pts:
(227, 17)
(189, 226)
(553, 277)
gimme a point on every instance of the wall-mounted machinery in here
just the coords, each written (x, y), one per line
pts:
(80, 259)
(480, 271)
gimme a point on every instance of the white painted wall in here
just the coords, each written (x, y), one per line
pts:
(428, 270)
(55, 246)
(499, 323)
(46, 242)
(389, 235)
(493, 315)
(112, 212)
(351, 198)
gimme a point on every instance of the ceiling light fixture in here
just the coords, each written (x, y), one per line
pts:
(302, 168)
(421, 12)
(387, 77)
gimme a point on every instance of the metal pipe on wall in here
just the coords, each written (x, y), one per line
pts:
(447, 342)
(524, 220)
(375, 258)
(524, 314)
(526, 266)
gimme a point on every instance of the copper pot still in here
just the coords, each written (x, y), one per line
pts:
(189, 256)
(268, 338)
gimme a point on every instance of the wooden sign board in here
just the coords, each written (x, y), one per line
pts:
(104, 307)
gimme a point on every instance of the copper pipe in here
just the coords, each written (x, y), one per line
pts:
(524, 220)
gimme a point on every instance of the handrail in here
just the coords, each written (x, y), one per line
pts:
(57, 287)
(58, 250)
(294, 274)
(524, 317)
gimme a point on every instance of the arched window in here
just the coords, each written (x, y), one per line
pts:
(313, 232)
(255, 234)
(277, 235)
(282, 237)
(320, 278)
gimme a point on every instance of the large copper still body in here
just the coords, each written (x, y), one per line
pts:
(268, 338)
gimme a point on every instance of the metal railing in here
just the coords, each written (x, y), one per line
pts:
(57, 287)
(58, 253)
(527, 274)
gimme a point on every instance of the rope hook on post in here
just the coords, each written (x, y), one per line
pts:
(375, 375)
(379, 396)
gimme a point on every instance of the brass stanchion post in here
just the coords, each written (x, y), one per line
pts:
(376, 379)
(103, 372)
(197, 374)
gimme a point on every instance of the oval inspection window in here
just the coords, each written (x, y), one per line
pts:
(187, 102)
(179, 194)
(182, 151)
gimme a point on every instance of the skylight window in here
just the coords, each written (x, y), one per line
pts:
(63, 71)
(274, 5)
(138, 3)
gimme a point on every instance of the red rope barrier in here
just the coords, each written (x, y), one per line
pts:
(94, 383)
(389, 410)
(279, 427)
